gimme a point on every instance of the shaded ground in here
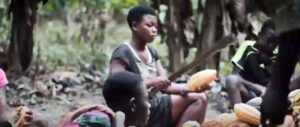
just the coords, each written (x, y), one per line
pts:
(55, 94)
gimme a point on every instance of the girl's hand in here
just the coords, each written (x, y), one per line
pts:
(161, 82)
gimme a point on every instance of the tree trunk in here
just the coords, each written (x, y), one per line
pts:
(21, 42)
(174, 35)
(208, 32)
(179, 12)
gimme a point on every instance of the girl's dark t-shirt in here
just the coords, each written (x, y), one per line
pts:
(125, 54)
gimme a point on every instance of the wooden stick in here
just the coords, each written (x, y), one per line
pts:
(222, 43)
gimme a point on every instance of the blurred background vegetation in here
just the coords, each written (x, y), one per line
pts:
(84, 33)
(74, 32)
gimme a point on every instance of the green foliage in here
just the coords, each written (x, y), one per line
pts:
(53, 32)
(70, 32)
(57, 49)
(59, 5)
(225, 68)
(55, 5)
(67, 55)
(119, 4)
(195, 4)
(4, 22)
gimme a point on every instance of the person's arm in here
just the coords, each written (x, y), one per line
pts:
(253, 69)
(161, 75)
(160, 69)
(71, 116)
(177, 89)
(117, 65)
(173, 88)
(159, 82)
(259, 89)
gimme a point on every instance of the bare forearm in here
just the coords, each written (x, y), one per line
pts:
(247, 83)
(149, 83)
(259, 89)
(176, 89)
(160, 82)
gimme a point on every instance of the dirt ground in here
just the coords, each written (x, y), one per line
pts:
(51, 96)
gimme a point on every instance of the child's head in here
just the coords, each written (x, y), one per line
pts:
(143, 23)
(267, 38)
(124, 91)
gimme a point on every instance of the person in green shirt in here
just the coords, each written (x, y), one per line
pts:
(252, 63)
(286, 16)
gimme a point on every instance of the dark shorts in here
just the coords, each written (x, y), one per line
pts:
(160, 112)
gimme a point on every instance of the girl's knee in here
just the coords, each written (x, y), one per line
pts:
(232, 82)
(203, 97)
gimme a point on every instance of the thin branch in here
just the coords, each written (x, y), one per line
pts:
(205, 55)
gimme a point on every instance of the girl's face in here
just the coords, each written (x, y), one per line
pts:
(146, 29)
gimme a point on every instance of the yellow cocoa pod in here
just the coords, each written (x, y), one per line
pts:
(293, 93)
(294, 97)
(232, 120)
(296, 110)
(215, 121)
(224, 120)
(202, 79)
(191, 124)
(247, 114)
(224, 116)
(212, 123)
(229, 119)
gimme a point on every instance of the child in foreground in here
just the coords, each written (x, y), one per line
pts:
(123, 92)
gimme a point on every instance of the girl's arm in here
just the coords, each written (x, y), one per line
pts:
(71, 116)
(159, 82)
(117, 65)
(177, 89)
(173, 88)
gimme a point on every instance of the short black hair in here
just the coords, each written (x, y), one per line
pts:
(269, 24)
(136, 14)
(120, 87)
